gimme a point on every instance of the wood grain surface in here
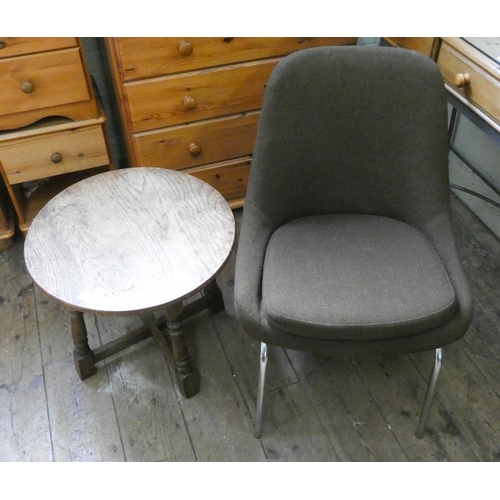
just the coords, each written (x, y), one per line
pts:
(130, 240)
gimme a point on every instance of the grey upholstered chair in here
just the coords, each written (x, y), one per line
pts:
(346, 241)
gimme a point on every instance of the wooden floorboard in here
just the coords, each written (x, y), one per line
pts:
(25, 433)
(316, 408)
(145, 400)
(83, 421)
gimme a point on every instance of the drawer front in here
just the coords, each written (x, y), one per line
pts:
(198, 96)
(229, 178)
(53, 154)
(18, 46)
(153, 57)
(198, 144)
(481, 88)
(41, 80)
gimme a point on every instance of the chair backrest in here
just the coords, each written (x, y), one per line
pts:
(352, 130)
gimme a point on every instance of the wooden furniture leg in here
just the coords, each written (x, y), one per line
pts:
(188, 380)
(213, 295)
(84, 357)
(172, 343)
(7, 230)
(174, 347)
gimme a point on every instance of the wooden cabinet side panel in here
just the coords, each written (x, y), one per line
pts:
(7, 229)
(91, 86)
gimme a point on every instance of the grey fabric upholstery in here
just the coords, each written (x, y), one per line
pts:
(346, 243)
(354, 277)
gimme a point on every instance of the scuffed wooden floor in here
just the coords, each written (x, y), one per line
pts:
(317, 409)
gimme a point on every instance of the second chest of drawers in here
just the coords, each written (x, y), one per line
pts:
(472, 76)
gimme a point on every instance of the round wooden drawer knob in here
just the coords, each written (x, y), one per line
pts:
(185, 48)
(189, 103)
(56, 158)
(462, 79)
(2, 45)
(27, 87)
(195, 149)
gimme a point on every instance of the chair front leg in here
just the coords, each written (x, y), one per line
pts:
(260, 391)
(438, 359)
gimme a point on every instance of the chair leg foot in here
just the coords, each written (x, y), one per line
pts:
(422, 424)
(260, 391)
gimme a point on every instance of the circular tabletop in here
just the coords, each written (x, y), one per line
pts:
(130, 240)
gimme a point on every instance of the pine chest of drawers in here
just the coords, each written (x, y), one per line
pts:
(51, 124)
(472, 77)
(193, 103)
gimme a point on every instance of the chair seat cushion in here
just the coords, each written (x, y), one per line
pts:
(354, 277)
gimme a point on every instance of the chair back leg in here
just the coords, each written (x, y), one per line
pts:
(438, 358)
(260, 391)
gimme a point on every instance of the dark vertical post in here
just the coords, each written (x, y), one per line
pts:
(84, 357)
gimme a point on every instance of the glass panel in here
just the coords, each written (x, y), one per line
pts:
(489, 46)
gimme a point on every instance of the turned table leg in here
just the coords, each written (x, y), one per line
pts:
(188, 380)
(214, 298)
(174, 347)
(84, 357)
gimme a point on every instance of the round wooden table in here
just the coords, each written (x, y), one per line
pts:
(133, 241)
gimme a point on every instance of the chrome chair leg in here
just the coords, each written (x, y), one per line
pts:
(430, 393)
(260, 391)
